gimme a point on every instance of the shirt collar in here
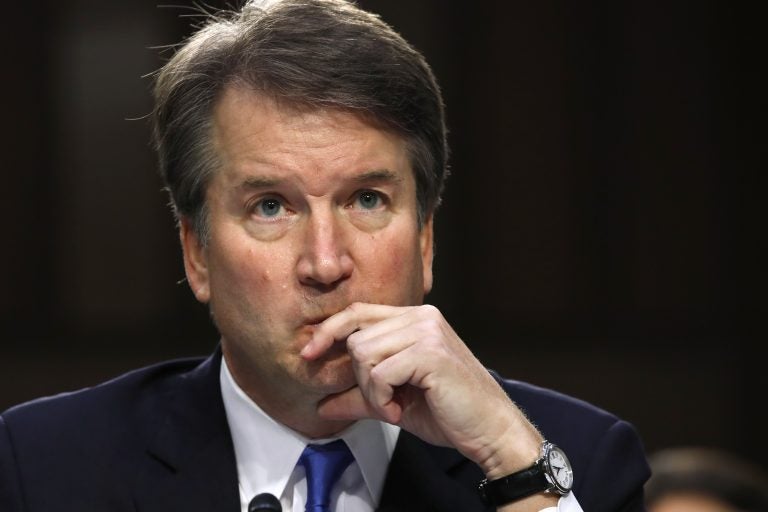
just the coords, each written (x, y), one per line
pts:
(267, 451)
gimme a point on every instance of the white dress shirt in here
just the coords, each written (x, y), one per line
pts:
(267, 453)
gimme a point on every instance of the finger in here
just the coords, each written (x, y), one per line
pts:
(377, 397)
(367, 350)
(352, 318)
(405, 367)
(373, 344)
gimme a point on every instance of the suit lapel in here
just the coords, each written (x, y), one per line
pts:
(190, 461)
(423, 477)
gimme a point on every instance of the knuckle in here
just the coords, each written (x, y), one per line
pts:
(362, 353)
(377, 376)
(429, 311)
(434, 347)
(355, 345)
(354, 307)
(430, 331)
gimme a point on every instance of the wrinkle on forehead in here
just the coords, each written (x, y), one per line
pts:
(264, 141)
(239, 98)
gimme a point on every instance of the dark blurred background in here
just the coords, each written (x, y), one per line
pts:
(603, 232)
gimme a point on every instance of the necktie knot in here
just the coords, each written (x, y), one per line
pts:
(323, 464)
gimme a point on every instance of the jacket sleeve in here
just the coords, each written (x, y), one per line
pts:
(10, 484)
(606, 452)
(618, 468)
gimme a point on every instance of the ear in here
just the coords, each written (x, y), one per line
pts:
(195, 261)
(427, 252)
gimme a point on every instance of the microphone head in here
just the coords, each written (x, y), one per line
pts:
(265, 502)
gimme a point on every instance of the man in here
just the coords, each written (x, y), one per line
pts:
(704, 479)
(303, 145)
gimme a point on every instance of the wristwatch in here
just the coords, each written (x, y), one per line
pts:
(550, 473)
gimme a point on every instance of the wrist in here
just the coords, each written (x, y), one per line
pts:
(512, 453)
(549, 477)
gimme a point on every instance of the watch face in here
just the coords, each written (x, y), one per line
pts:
(560, 468)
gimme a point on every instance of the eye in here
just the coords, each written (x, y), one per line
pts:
(368, 199)
(269, 207)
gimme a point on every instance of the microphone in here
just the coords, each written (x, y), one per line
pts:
(265, 502)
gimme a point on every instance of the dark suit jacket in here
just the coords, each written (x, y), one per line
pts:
(157, 440)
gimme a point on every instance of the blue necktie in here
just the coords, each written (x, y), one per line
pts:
(323, 464)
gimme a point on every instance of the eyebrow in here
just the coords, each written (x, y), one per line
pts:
(381, 175)
(378, 175)
(258, 182)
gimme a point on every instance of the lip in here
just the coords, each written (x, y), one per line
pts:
(316, 320)
(324, 314)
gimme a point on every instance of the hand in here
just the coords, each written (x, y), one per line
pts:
(413, 370)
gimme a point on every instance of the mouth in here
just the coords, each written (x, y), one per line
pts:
(315, 320)
(324, 314)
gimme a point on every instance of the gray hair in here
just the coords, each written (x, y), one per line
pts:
(306, 54)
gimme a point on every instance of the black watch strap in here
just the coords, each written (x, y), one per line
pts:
(515, 486)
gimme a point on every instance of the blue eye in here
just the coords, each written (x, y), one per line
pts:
(269, 207)
(368, 199)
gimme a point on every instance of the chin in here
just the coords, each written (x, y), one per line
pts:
(331, 375)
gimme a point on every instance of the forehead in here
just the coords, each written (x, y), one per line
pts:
(254, 134)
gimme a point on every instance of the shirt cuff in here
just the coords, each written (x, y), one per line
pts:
(567, 503)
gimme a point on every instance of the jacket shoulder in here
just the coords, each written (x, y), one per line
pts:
(113, 397)
(94, 425)
(606, 452)
(543, 403)
(87, 444)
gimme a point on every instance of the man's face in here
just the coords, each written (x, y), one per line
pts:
(309, 211)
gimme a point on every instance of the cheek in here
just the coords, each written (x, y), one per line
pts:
(267, 278)
(251, 273)
(393, 261)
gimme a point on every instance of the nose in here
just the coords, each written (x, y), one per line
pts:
(324, 260)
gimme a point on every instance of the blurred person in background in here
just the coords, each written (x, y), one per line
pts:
(698, 479)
